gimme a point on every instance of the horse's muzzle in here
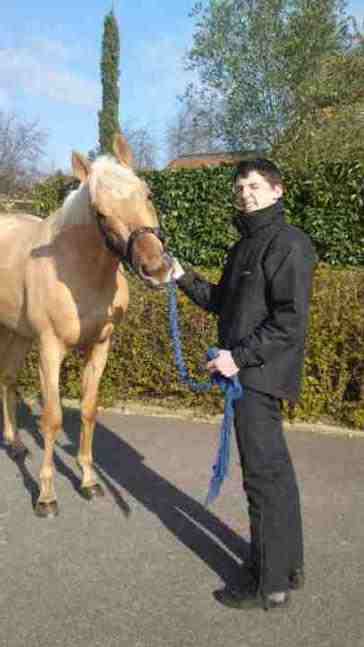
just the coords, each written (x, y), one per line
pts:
(125, 252)
(157, 277)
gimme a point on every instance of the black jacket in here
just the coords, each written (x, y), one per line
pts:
(262, 301)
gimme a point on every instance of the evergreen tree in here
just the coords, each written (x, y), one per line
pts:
(110, 72)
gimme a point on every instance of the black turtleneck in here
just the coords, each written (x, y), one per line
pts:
(248, 224)
(262, 301)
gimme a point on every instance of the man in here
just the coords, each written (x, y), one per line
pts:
(262, 303)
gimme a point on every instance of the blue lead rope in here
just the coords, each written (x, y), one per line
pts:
(231, 388)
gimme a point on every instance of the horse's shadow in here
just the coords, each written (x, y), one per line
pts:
(119, 465)
(26, 420)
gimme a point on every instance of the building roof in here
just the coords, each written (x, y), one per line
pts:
(201, 160)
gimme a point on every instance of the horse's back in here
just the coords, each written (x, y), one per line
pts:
(18, 232)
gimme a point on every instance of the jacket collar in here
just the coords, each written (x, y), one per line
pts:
(248, 225)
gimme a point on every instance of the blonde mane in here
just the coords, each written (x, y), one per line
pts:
(107, 174)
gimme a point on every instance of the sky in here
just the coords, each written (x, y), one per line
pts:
(50, 67)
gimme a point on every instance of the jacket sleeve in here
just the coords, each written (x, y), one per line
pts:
(202, 292)
(289, 275)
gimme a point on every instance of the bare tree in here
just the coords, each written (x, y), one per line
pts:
(143, 146)
(193, 130)
(21, 149)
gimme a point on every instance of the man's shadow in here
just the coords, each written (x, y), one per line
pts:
(120, 466)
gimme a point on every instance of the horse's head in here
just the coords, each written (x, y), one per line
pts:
(122, 204)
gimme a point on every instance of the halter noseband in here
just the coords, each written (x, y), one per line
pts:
(124, 251)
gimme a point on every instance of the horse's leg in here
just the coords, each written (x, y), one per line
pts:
(15, 447)
(94, 368)
(51, 355)
(17, 348)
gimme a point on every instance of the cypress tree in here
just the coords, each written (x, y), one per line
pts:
(110, 72)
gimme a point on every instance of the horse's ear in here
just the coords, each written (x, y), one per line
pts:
(122, 150)
(80, 166)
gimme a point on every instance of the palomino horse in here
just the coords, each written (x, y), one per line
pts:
(61, 283)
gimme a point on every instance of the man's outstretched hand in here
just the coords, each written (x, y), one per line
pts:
(177, 270)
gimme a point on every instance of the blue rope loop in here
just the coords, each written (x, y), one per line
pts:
(230, 387)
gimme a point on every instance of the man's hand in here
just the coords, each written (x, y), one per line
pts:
(177, 269)
(224, 364)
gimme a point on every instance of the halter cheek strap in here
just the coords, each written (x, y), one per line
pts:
(124, 249)
(116, 246)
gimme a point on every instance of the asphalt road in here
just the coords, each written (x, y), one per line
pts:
(139, 567)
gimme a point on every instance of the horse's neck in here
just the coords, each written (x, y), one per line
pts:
(75, 227)
(76, 210)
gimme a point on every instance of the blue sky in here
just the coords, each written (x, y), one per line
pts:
(50, 58)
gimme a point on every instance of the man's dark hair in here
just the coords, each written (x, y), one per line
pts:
(264, 167)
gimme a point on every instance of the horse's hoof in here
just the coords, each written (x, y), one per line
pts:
(46, 510)
(17, 452)
(90, 492)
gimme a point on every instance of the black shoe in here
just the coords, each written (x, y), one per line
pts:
(296, 580)
(249, 579)
(235, 598)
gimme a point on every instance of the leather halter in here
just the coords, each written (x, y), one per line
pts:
(120, 248)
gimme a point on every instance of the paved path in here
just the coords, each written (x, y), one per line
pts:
(139, 567)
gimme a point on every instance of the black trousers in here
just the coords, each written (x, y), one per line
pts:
(271, 489)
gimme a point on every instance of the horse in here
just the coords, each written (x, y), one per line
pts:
(62, 283)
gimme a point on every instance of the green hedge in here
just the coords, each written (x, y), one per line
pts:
(195, 209)
(48, 195)
(141, 365)
(327, 201)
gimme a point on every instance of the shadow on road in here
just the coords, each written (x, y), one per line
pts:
(27, 421)
(120, 466)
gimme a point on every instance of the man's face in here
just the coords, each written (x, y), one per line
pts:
(254, 192)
